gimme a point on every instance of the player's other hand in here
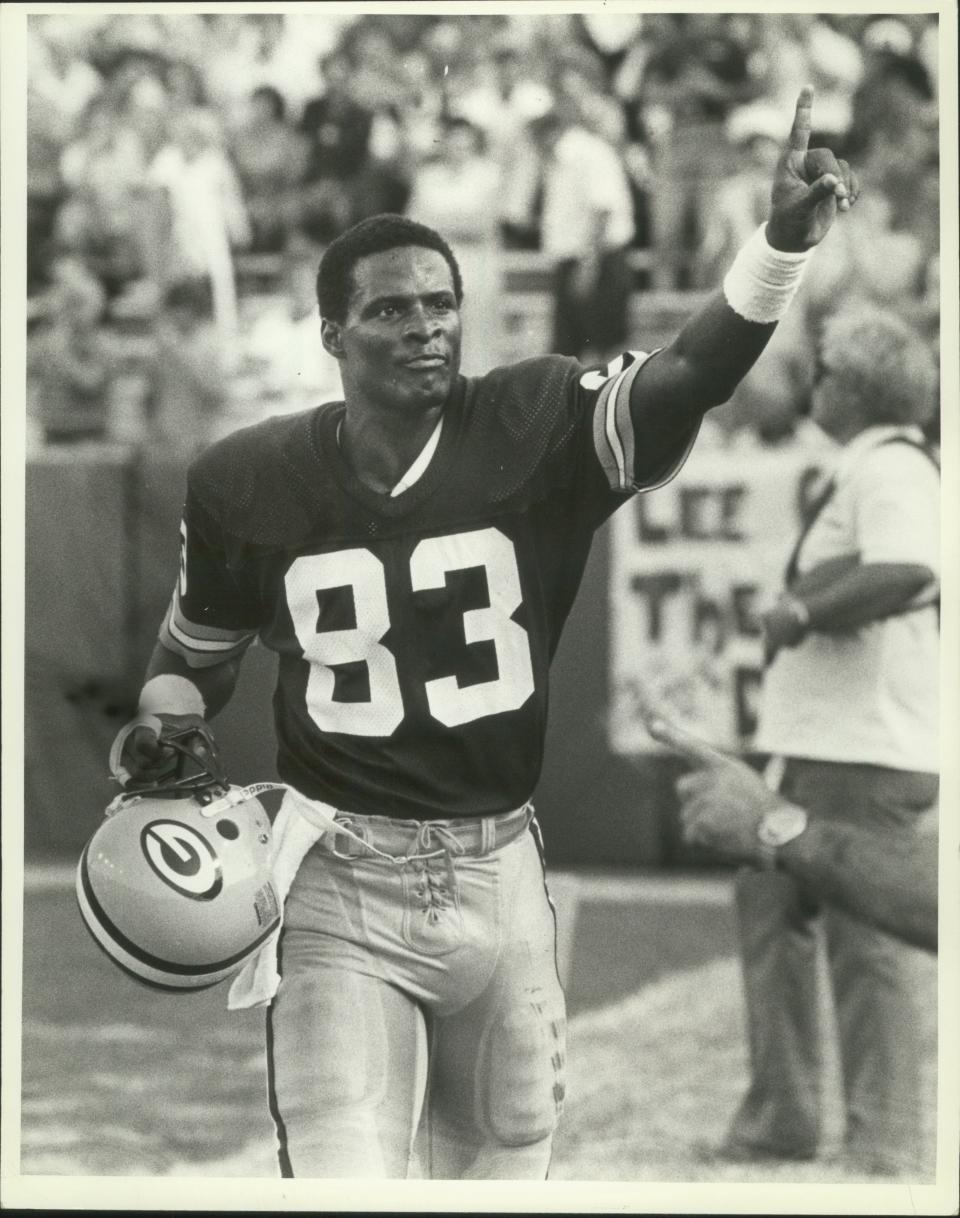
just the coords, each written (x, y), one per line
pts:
(810, 185)
(143, 758)
(721, 799)
(142, 752)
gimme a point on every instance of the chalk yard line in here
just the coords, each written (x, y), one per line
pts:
(618, 889)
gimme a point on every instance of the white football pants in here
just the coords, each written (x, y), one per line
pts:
(419, 1015)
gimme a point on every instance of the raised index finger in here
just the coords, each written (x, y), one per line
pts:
(691, 747)
(799, 138)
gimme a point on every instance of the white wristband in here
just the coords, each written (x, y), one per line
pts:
(169, 694)
(762, 281)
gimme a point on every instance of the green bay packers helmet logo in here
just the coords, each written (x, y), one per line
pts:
(182, 858)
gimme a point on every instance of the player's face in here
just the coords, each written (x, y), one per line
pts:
(399, 345)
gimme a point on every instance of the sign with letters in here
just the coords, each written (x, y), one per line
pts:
(692, 567)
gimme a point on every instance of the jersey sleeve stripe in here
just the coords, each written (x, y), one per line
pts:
(623, 421)
(610, 459)
(613, 429)
(196, 630)
(614, 437)
(184, 638)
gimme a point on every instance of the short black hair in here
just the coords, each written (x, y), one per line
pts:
(373, 236)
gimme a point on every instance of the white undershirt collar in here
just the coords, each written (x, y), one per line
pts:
(420, 463)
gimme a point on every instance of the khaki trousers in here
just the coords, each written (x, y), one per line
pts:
(874, 982)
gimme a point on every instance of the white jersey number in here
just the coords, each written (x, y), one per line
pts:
(430, 562)
(363, 571)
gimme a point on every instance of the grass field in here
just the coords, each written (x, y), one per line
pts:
(121, 1081)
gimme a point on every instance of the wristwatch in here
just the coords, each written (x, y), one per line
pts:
(777, 827)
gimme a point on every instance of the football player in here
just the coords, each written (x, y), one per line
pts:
(411, 554)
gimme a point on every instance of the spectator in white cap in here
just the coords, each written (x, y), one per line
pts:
(201, 215)
(458, 193)
(739, 205)
(587, 228)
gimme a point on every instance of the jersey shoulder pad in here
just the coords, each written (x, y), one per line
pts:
(528, 410)
(528, 397)
(254, 483)
(521, 421)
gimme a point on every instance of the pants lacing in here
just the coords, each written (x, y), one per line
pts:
(434, 867)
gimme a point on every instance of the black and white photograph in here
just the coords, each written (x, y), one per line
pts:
(479, 489)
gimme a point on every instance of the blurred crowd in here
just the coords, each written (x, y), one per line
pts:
(176, 159)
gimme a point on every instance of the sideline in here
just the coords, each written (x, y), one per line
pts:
(601, 888)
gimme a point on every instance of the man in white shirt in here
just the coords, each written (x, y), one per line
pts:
(849, 717)
(586, 228)
(291, 370)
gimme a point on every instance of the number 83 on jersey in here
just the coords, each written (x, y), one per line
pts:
(431, 561)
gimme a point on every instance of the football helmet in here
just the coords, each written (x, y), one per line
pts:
(175, 885)
(192, 759)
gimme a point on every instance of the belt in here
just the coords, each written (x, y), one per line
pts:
(405, 840)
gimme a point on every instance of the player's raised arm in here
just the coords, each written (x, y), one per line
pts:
(720, 343)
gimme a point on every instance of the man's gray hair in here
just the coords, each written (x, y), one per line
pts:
(884, 361)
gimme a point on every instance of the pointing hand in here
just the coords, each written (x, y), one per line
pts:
(721, 799)
(810, 186)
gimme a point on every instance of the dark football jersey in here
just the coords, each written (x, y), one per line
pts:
(414, 632)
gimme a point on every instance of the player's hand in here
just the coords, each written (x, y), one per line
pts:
(142, 752)
(143, 758)
(810, 185)
(721, 799)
